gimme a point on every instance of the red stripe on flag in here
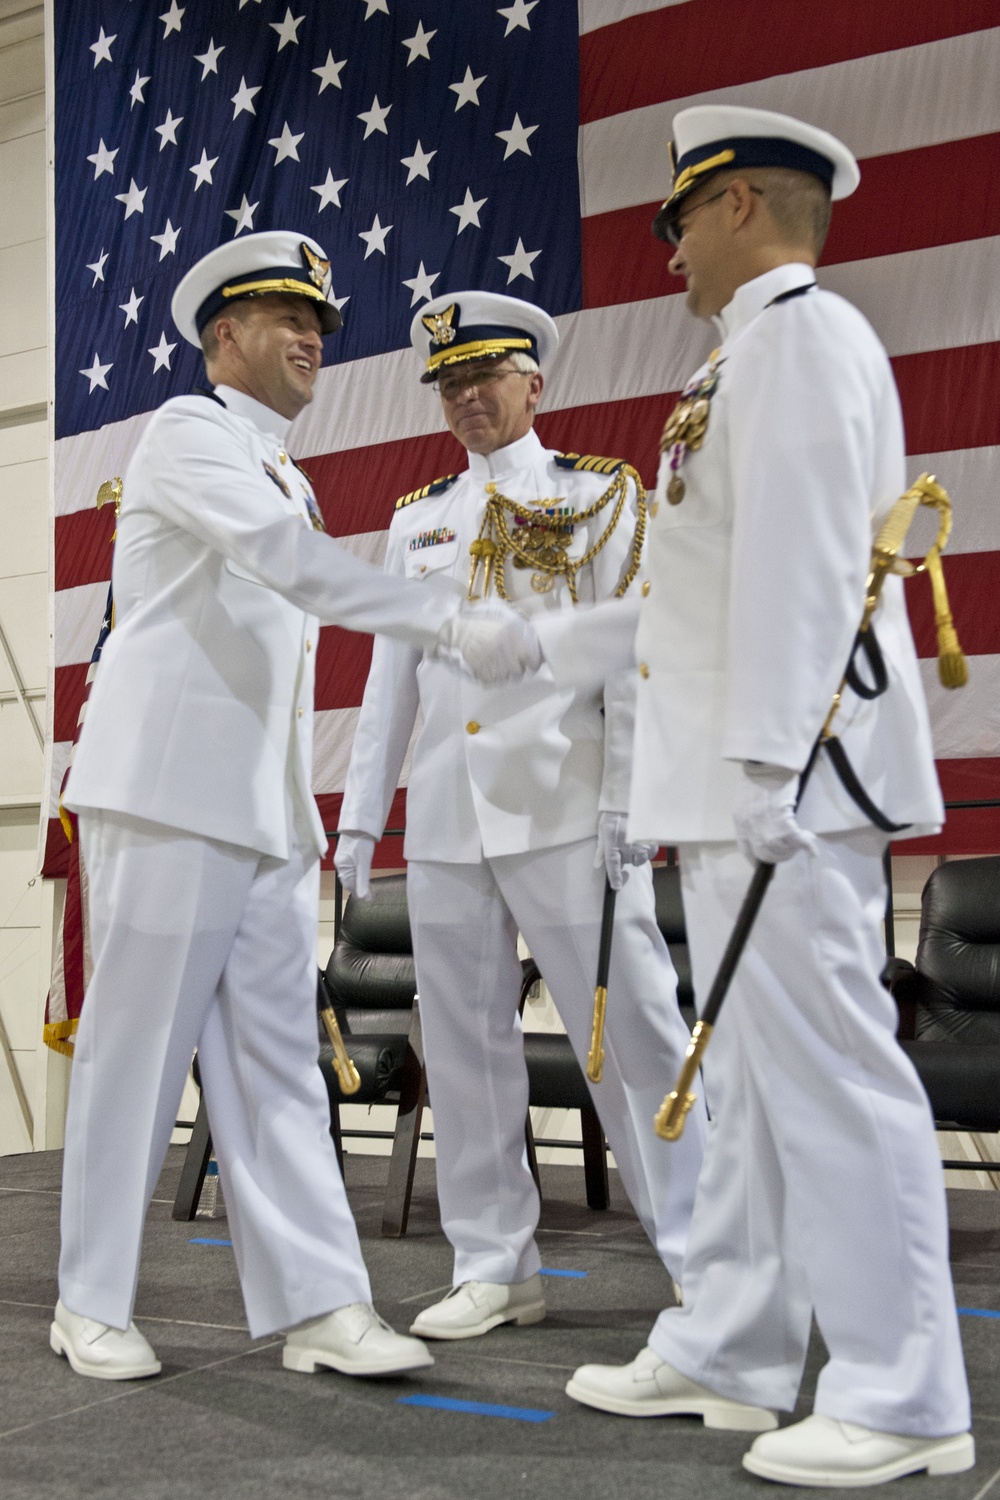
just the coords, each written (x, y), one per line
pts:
(968, 830)
(388, 851)
(713, 44)
(83, 547)
(55, 861)
(69, 691)
(970, 577)
(343, 658)
(358, 487)
(622, 262)
(949, 397)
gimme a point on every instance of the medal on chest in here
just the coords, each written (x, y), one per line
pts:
(685, 428)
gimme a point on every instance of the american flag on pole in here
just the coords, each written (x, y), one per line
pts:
(520, 147)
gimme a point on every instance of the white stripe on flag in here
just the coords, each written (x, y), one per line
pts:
(972, 478)
(937, 298)
(597, 13)
(61, 752)
(79, 614)
(81, 467)
(966, 721)
(883, 103)
(333, 738)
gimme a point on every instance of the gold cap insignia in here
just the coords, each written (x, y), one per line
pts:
(439, 327)
(319, 269)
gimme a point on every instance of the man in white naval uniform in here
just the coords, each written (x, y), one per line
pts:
(515, 814)
(821, 1192)
(202, 839)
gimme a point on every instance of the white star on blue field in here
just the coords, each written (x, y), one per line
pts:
(426, 145)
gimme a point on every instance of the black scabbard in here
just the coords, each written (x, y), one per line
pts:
(607, 934)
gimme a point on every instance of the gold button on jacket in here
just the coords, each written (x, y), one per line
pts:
(472, 727)
(643, 669)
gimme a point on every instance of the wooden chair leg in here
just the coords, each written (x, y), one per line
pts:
(595, 1160)
(195, 1165)
(529, 1143)
(406, 1140)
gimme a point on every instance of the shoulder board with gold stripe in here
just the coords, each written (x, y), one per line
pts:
(587, 462)
(436, 487)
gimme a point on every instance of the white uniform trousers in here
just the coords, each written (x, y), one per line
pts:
(822, 1189)
(465, 920)
(199, 944)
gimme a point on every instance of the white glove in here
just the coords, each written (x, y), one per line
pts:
(353, 862)
(614, 850)
(496, 642)
(766, 826)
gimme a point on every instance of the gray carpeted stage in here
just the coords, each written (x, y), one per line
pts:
(226, 1422)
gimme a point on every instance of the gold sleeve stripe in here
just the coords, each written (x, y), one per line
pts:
(588, 462)
(436, 487)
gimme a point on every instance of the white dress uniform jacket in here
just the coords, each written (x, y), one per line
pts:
(745, 649)
(495, 770)
(201, 712)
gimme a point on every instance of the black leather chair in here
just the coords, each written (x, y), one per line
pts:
(370, 982)
(949, 1002)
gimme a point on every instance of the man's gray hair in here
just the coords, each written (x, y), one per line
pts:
(523, 363)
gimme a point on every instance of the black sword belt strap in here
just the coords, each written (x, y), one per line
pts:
(867, 642)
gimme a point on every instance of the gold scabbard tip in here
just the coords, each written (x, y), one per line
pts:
(669, 1122)
(595, 1057)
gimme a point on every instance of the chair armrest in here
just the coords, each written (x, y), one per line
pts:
(910, 989)
(894, 971)
(530, 975)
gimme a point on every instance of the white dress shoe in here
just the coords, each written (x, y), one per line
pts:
(355, 1341)
(649, 1387)
(826, 1454)
(477, 1306)
(93, 1348)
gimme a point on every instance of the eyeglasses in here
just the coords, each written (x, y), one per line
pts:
(679, 228)
(450, 387)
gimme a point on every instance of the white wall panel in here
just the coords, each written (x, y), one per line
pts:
(23, 611)
(24, 377)
(22, 275)
(24, 532)
(22, 173)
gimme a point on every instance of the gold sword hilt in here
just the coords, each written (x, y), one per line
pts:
(347, 1074)
(672, 1113)
(595, 1057)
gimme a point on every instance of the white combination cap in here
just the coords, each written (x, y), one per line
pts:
(711, 138)
(463, 326)
(275, 261)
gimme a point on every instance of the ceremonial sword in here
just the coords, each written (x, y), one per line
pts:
(669, 1122)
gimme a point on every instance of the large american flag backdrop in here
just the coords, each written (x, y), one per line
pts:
(431, 145)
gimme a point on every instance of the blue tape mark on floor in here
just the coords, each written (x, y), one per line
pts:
(210, 1242)
(978, 1312)
(574, 1275)
(478, 1408)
